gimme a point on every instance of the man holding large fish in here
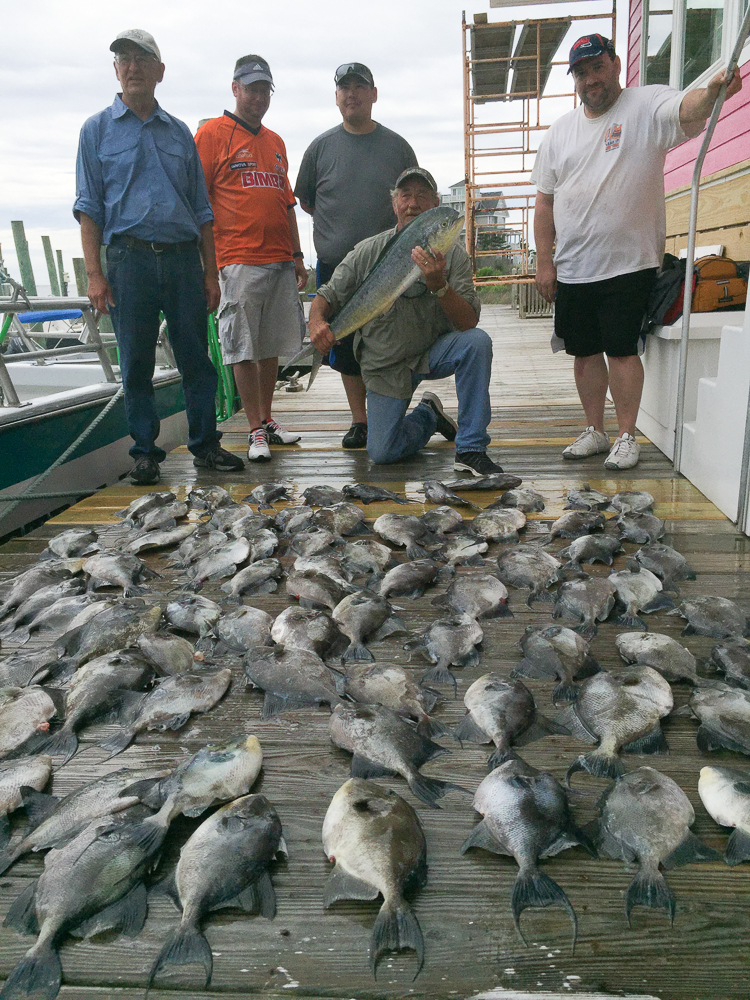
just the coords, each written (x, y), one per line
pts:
(408, 296)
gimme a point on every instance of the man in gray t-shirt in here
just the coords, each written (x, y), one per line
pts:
(345, 183)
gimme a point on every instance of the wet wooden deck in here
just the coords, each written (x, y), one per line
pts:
(472, 947)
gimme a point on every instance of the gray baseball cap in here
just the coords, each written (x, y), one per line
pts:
(140, 38)
(252, 71)
(416, 172)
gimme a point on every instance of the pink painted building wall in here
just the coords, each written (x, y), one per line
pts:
(731, 139)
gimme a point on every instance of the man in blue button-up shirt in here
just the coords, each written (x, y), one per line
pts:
(140, 191)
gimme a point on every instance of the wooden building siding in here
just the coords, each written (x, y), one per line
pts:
(730, 144)
(633, 61)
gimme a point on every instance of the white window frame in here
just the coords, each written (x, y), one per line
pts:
(730, 27)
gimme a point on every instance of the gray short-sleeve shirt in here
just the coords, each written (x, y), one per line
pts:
(346, 179)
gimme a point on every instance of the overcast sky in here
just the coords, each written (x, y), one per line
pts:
(57, 70)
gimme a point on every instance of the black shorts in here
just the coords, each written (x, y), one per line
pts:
(341, 357)
(603, 316)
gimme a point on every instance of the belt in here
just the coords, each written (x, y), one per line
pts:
(133, 243)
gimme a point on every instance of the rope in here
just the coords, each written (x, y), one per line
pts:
(65, 455)
(7, 497)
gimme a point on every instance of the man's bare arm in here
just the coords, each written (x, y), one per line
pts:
(99, 292)
(300, 270)
(544, 237)
(320, 332)
(698, 104)
(210, 270)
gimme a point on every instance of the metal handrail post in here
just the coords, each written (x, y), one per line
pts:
(93, 334)
(687, 299)
(10, 396)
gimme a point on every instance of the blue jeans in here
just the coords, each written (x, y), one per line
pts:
(393, 435)
(144, 283)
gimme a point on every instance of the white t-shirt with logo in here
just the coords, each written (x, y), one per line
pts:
(607, 178)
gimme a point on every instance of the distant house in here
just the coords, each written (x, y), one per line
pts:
(491, 210)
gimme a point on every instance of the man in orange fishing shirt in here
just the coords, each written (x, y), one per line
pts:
(261, 269)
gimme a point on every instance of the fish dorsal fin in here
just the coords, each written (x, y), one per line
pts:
(482, 837)
(738, 847)
(612, 848)
(541, 726)
(468, 730)
(38, 805)
(258, 897)
(652, 742)
(570, 720)
(364, 768)
(128, 914)
(342, 885)
(690, 850)
(22, 914)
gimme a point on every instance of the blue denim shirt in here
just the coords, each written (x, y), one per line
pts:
(140, 178)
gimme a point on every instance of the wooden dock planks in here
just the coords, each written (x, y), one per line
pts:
(471, 944)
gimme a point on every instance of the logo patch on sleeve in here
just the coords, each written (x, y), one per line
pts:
(612, 138)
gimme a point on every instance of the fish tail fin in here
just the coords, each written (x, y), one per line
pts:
(429, 790)
(150, 833)
(499, 756)
(533, 888)
(430, 727)
(439, 675)
(565, 692)
(38, 975)
(64, 742)
(186, 946)
(7, 857)
(649, 888)
(415, 551)
(117, 743)
(395, 928)
(357, 651)
(598, 763)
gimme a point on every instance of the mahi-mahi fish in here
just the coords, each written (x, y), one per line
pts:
(394, 271)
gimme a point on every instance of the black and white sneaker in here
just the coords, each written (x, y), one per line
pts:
(277, 435)
(219, 459)
(145, 472)
(446, 426)
(478, 463)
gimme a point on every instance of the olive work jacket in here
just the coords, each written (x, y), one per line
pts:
(393, 346)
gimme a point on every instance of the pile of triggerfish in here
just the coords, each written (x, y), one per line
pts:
(140, 646)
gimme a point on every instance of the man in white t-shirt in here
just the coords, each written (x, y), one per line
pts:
(600, 227)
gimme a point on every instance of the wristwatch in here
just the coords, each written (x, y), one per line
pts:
(441, 291)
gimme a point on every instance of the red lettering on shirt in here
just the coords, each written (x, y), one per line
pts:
(261, 178)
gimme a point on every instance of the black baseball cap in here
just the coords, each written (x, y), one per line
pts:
(589, 46)
(353, 69)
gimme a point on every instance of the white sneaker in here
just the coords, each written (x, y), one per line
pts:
(277, 435)
(258, 450)
(625, 453)
(588, 442)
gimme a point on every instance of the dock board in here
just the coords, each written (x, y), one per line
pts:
(471, 946)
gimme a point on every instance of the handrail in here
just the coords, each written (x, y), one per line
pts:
(687, 300)
(92, 341)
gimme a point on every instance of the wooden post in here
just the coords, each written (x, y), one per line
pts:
(24, 260)
(61, 272)
(54, 285)
(82, 281)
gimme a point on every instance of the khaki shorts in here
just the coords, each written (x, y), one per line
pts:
(260, 315)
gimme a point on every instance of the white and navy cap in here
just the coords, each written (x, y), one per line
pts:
(139, 37)
(251, 70)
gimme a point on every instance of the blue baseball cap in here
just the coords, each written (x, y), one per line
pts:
(589, 46)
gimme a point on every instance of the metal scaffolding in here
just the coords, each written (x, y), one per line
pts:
(509, 62)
